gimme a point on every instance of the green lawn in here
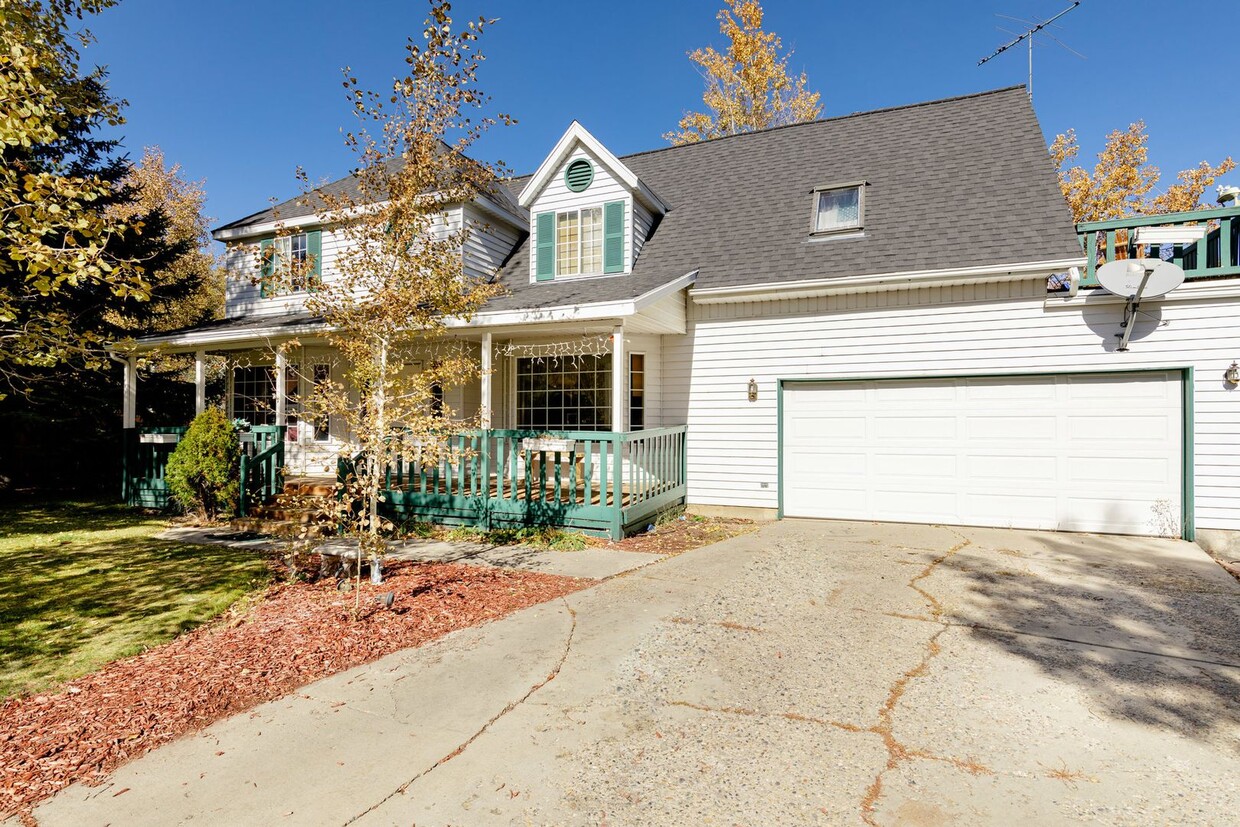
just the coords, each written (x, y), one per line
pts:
(85, 583)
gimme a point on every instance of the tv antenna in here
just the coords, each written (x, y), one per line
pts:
(1027, 37)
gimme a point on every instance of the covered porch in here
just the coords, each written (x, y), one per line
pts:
(566, 428)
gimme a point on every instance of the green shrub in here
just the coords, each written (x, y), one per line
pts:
(203, 471)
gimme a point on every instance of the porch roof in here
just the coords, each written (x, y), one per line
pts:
(583, 302)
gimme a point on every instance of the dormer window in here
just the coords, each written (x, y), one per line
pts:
(579, 242)
(839, 209)
(588, 241)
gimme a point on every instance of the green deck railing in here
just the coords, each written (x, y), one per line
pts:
(262, 466)
(599, 482)
(1214, 255)
(144, 460)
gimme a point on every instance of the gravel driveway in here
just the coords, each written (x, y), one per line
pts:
(811, 672)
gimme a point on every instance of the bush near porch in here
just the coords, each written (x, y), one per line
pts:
(85, 583)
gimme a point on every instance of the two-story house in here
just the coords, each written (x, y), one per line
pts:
(848, 318)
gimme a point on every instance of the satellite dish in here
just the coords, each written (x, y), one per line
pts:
(1136, 279)
(1142, 277)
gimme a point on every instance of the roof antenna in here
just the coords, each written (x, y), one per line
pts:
(1027, 35)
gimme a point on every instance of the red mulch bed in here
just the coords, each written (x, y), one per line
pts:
(294, 634)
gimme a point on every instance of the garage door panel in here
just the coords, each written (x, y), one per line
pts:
(1005, 390)
(998, 426)
(925, 465)
(912, 504)
(1083, 453)
(1024, 468)
(902, 428)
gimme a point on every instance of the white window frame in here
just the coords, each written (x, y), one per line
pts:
(291, 248)
(645, 372)
(580, 257)
(851, 229)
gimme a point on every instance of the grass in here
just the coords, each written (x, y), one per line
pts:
(85, 583)
(542, 537)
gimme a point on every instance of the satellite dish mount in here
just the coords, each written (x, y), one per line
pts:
(1135, 279)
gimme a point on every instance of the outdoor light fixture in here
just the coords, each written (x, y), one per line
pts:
(753, 390)
(1232, 375)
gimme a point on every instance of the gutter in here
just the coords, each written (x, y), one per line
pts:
(883, 281)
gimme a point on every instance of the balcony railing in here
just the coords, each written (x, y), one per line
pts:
(1212, 255)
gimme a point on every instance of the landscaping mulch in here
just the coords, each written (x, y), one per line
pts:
(291, 635)
(683, 534)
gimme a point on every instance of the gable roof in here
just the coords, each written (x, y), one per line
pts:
(950, 184)
(964, 182)
(577, 135)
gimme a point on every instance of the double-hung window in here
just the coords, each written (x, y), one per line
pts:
(579, 242)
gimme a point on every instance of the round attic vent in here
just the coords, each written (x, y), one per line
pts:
(579, 175)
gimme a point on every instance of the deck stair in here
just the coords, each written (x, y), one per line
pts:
(296, 510)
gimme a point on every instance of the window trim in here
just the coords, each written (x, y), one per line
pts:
(860, 187)
(645, 373)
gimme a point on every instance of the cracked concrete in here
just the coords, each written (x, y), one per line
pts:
(819, 673)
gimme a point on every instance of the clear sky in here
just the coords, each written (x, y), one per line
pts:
(241, 93)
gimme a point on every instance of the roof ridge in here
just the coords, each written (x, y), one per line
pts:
(862, 113)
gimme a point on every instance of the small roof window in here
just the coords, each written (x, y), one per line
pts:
(839, 208)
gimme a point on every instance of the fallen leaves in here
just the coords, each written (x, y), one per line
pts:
(296, 634)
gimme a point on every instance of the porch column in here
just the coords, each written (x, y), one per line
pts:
(486, 381)
(281, 392)
(200, 382)
(129, 410)
(619, 379)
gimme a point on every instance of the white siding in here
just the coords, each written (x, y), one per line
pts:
(488, 244)
(557, 196)
(643, 220)
(996, 328)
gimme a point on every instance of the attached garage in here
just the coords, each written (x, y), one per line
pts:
(1072, 452)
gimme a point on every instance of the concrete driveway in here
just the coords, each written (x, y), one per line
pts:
(812, 672)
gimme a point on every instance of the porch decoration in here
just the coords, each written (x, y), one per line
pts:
(566, 348)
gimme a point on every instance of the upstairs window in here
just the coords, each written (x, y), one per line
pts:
(579, 242)
(838, 209)
(292, 251)
(589, 241)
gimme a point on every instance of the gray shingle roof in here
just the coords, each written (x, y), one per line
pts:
(960, 182)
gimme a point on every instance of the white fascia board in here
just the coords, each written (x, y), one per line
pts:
(576, 133)
(882, 281)
(1190, 291)
(494, 208)
(315, 219)
(228, 339)
(575, 312)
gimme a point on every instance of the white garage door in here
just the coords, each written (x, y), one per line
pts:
(1075, 453)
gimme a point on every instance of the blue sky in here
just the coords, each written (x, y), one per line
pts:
(241, 93)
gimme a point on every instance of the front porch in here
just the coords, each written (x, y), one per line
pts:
(570, 431)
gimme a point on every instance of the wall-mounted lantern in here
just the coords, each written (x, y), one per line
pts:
(753, 390)
(1232, 375)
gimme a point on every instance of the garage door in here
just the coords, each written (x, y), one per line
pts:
(1075, 453)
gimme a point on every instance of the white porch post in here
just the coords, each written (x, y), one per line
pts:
(281, 392)
(129, 411)
(619, 379)
(486, 381)
(200, 382)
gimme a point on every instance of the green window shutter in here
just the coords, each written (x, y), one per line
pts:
(613, 237)
(266, 265)
(544, 267)
(314, 249)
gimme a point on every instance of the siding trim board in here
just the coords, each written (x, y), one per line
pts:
(1187, 499)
